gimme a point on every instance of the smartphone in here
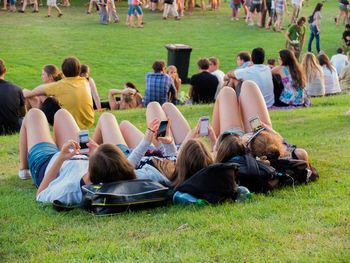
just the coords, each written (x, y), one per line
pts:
(162, 129)
(83, 140)
(203, 126)
(255, 123)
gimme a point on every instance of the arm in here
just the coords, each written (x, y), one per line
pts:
(276, 70)
(54, 171)
(287, 37)
(38, 91)
(317, 22)
(285, 8)
(139, 103)
(265, 7)
(94, 93)
(190, 91)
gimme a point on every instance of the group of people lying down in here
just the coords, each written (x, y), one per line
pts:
(122, 152)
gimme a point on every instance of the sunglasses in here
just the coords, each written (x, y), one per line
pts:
(254, 135)
(225, 134)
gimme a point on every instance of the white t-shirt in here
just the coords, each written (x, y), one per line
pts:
(331, 82)
(261, 75)
(220, 76)
(66, 187)
(339, 61)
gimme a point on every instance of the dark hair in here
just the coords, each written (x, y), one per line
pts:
(214, 60)
(109, 164)
(317, 8)
(193, 156)
(340, 50)
(2, 67)
(288, 59)
(230, 146)
(301, 20)
(84, 69)
(244, 55)
(53, 71)
(158, 65)
(131, 85)
(258, 55)
(271, 61)
(347, 26)
(203, 63)
(324, 60)
(71, 67)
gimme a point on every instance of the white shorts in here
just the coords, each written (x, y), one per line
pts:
(51, 2)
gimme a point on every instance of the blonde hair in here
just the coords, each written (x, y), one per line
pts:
(194, 155)
(310, 67)
(177, 80)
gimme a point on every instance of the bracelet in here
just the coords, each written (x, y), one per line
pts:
(150, 130)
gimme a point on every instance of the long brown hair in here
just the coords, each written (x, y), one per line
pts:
(53, 71)
(288, 59)
(324, 60)
(109, 164)
(193, 156)
(230, 146)
(266, 144)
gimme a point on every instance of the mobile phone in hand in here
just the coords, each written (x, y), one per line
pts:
(162, 129)
(255, 123)
(83, 141)
(203, 126)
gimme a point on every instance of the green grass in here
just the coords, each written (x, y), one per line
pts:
(303, 224)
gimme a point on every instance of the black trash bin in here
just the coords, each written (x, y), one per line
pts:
(179, 56)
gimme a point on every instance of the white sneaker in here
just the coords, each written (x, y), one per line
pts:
(258, 24)
(24, 174)
(251, 24)
(232, 18)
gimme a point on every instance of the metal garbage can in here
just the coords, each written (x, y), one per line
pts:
(179, 56)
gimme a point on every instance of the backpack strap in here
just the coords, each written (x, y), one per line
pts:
(285, 70)
(60, 207)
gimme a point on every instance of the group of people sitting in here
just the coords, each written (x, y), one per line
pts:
(122, 152)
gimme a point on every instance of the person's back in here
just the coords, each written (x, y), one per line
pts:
(345, 79)
(158, 85)
(331, 82)
(11, 104)
(204, 84)
(73, 93)
(339, 61)
(260, 74)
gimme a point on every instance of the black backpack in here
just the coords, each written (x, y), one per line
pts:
(215, 183)
(310, 19)
(294, 172)
(119, 197)
(254, 174)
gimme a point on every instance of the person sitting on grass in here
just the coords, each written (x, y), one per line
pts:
(12, 107)
(314, 86)
(339, 60)
(130, 98)
(57, 168)
(345, 40)
(214, 70)
(243, 59)
(344, 76)
(72, 92)
(331, 80)
(172, 72)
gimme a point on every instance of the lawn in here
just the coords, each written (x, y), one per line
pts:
(307, 223)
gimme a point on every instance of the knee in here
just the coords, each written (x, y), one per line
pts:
(61, 113)
(34, 113)
(226, 91)
(124, 125)
(153, 104)
(301, 154)
(168, 106)
(106, 116)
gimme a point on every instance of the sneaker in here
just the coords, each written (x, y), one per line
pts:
(35, 11)
(177, 18)
(258, 25)
(251, 24)
(24, 174)
(87, 12)
(146, 6)
(232, 18)
(182, 14)
(59, 15)
(20, 11)
(116, 21)
(237, 18)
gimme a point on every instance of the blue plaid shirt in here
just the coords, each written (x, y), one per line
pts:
(158, 86)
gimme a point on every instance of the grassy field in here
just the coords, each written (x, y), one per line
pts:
(303, 224)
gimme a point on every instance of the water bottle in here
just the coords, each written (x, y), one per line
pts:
(243, 194)
(186, 199)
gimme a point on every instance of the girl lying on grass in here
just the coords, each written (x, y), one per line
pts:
(59, 171)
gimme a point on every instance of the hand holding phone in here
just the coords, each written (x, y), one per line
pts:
(83, 141)
(162, 129)
(203, 126)
(255, 123)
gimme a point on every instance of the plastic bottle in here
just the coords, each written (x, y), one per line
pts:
(186, 199)
(243, 194)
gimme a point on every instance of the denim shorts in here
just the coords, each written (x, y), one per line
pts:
(38, 155)
(137, 9)
(125, 149)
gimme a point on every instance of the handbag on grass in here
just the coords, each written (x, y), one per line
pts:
(119, 197)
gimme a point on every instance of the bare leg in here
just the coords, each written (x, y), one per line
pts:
(154, 110)
(131, 134)
(35, 129)
(108, 131)
(65, 128)
(226, 111)
(252, 103)
(179, 125)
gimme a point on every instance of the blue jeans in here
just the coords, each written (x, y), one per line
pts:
(314, 34)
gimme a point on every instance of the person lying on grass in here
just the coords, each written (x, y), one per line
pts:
(57, 168)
